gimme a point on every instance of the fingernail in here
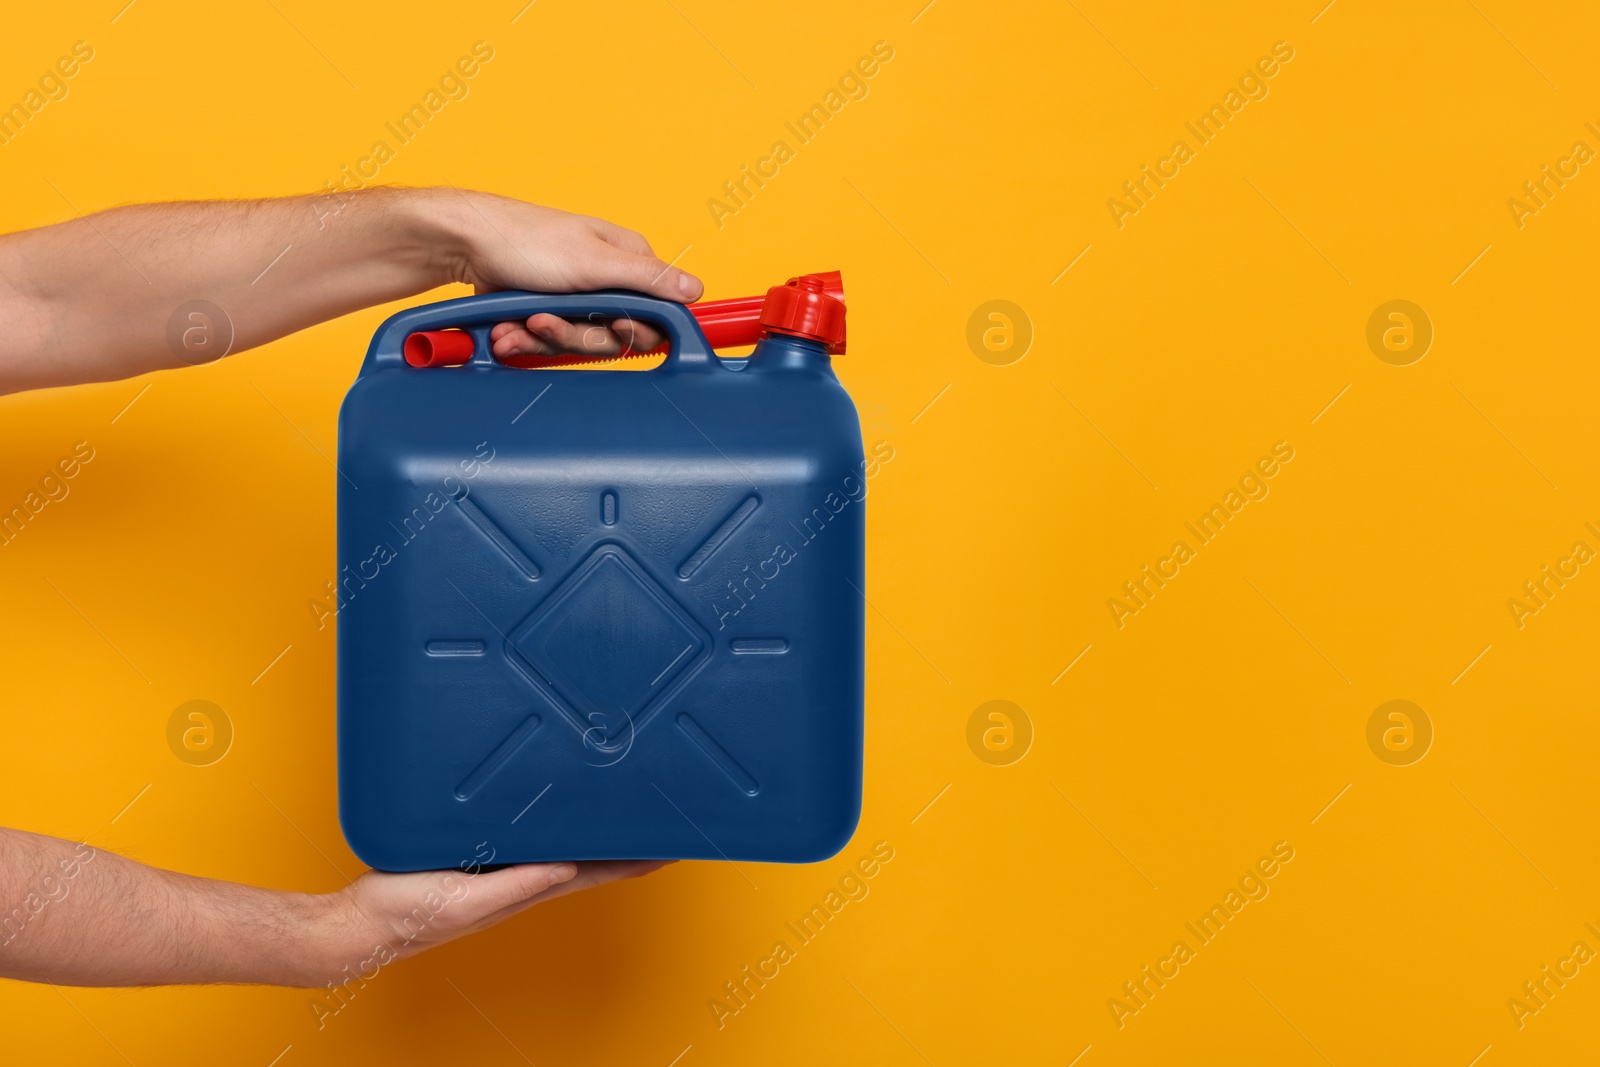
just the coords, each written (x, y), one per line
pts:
(563, 873)
(686, 284)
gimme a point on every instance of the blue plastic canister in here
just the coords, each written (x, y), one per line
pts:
(600, 614)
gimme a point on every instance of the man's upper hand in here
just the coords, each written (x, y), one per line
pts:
(515, 245)
(95, 299)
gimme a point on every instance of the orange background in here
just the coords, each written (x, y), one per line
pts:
(1230, 713)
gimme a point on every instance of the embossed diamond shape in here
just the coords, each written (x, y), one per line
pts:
(609, 643)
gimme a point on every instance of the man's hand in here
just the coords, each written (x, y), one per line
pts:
(382, 917)
(94, 299)
(512, 249)
(75, 915)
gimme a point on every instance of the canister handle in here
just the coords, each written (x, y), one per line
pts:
(689, 349)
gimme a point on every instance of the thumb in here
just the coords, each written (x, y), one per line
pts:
(647, 274)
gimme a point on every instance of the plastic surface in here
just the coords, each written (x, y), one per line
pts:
(598, 613)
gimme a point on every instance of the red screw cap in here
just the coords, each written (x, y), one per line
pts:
(810, 306)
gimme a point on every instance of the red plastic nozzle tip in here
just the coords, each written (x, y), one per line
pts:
(438, 348)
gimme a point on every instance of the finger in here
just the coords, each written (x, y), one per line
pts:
(635, 336)
(591, 337)
(493, 891)
(646, 274)
(515, 341)
(622, 237)
(511, 338)
(549, 335)
(594, 336)
(590, 874)
(599, 872)
(587, 877)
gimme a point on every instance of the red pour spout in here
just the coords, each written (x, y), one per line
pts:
(810, 306)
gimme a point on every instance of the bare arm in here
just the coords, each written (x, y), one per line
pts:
(92, 299)
(76, 915)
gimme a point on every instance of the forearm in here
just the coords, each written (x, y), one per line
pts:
(75, 915)
(91, 299)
